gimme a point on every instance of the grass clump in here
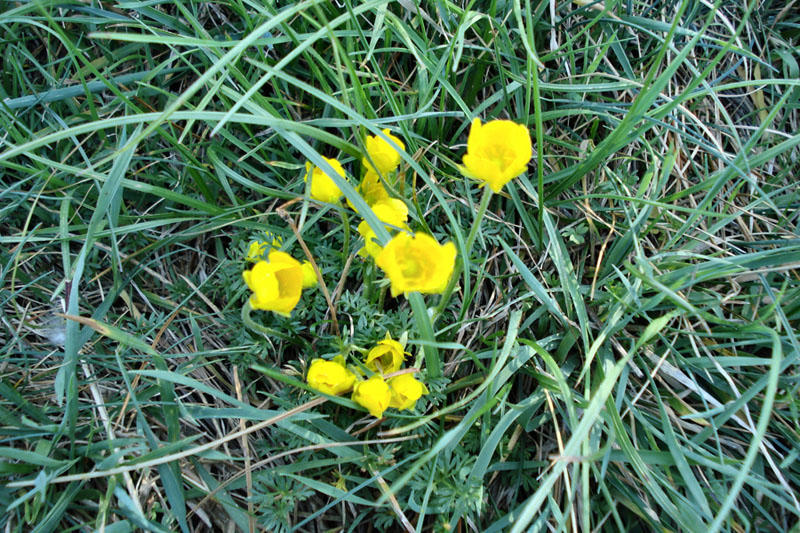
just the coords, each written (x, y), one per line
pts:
(615, 350)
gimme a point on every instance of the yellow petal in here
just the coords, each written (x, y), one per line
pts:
(391, 211)
(309, 275)
(263, 283)
(371, 246)
(387, 354)
(323, 187)
(383, 155)
(330, 377)
(372, 394)
(371, 190)
(406, 390)
(257, 249)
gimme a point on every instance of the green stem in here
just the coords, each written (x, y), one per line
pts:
(381, 295)
(250, 323)
(346, 226)
(473, 234)
(369, 283)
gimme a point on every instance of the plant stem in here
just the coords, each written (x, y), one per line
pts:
(346, 227)
(473, 234)
(250, 323)
(381, 296)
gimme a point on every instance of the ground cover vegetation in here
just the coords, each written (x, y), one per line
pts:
(399, 266)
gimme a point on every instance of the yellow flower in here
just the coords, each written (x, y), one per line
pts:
(417, 263)
(371, 246)
(322, 186)
(391, 211)
(388, 354)
(373, 394)
(276, 283)
(330, 377)
(371, 190)
(406, 390)
(309, 275)
(497, 152)
(257, 249)
(383, 155)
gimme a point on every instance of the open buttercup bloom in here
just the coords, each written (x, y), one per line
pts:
(417, 263)
(386, 357)
(383, 155)
(276, 283)
(393, 212)
(322, 186)
(372, 394)
(406, 390)
(497, 152)
(258, 249)
(330, 377)
(309, 275)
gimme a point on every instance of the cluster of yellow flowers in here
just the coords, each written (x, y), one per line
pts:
(413, 262)
(376, 394)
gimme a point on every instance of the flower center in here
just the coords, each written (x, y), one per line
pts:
(413, 266)
(500, 155)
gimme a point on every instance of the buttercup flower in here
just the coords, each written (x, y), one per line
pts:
(386, 357)
(257, 249)
(497, 152)
(309, 276)
(371, 246)
(322, 187)
(330, 377)
(417, 263)
(371, 190)
(393, 212)
(373, 394)
(276, 283)
(406, 390)
(383, 155)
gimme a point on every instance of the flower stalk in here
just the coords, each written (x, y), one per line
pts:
(473, 234)
(248, 321)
